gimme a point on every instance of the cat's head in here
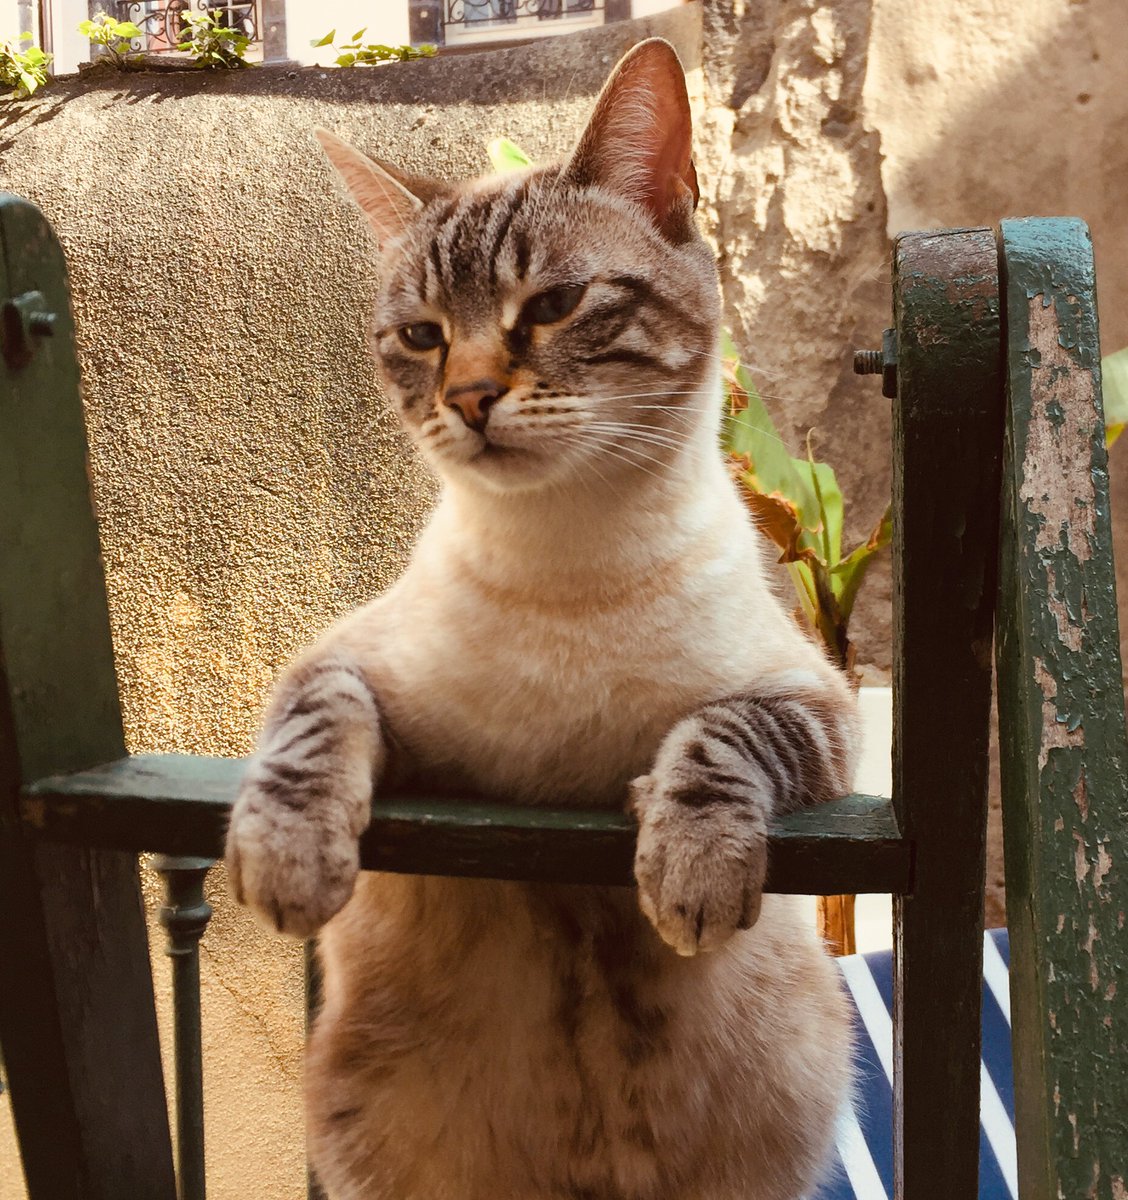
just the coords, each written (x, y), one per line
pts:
(556, 322)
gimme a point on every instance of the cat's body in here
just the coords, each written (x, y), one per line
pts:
(559, 633)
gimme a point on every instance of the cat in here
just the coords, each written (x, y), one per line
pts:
(585, 620)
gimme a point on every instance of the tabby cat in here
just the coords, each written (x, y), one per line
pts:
(585, 621)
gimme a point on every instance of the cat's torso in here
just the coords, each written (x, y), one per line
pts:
(553, 1020)
(554, 695)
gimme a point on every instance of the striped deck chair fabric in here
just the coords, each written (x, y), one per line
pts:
(863, 1167)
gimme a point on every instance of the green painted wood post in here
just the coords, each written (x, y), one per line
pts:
(947, 449)
(1061, 723)
(77, 1019)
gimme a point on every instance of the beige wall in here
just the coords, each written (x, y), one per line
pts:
(251, 486)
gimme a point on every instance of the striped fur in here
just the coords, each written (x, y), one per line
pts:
(306, 796)
(717, 780)
(585, 620)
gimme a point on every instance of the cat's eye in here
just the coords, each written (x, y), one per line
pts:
(553, 305)
(423, 335)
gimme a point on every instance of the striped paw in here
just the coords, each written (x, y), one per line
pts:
(292, 861)
(701, 856)
(292, 845)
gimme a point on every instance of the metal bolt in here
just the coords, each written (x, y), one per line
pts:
(42, 324)
(868, 362)
(881, 362)
(23, 319)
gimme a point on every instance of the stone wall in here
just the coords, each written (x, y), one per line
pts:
(250, 485)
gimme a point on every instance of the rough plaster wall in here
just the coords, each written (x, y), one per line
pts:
(250, 484)
(793, 178)
(998, 108)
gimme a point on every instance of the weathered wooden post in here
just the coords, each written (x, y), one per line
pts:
(77, 1017)
(1061, 726)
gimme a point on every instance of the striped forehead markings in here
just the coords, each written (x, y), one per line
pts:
(470, 235)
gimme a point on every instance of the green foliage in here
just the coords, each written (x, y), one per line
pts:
(1114, 380)
(798, 505)
(358, 53)
(22, 70)
(507, 156)
(115, 36)
(213, 45)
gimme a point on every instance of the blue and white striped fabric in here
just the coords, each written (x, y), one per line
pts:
(863, 1168)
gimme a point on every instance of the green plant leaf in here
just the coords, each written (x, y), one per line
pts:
(87, 28)
(345, 60)
(750, 434)
(327, 40)
(847, 576)
(127, 29)
(507, 156)
(1114, 386)
(359, 34)
(821, 479)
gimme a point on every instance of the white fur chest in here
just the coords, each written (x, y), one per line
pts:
(539, 699)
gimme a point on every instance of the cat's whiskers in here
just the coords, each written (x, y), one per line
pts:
(608, 445)
(751, 368)
(672, 439)
(644, 395)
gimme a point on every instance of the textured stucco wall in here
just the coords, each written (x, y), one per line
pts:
(249, 483)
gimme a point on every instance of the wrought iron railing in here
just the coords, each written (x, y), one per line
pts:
(466, 16)
(185, 914)
(162, 27)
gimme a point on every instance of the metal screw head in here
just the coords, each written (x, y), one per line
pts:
(881, 362)
(23, 320)
(42, 324)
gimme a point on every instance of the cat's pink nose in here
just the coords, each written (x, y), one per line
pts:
(473, 400)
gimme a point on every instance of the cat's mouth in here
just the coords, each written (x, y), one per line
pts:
(490, 451)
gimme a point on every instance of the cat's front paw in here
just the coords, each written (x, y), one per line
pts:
(291, 858)
(701, 856)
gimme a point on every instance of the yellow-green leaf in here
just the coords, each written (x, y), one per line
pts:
(1114, 385)
(507, 156)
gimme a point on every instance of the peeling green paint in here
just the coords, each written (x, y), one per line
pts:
(1061, 711)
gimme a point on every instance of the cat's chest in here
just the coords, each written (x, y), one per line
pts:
(554, 701)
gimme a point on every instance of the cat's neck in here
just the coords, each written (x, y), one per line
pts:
(595, 536)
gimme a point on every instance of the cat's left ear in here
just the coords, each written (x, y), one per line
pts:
(388, 197)
(638, 142)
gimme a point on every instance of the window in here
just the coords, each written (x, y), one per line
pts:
(502, 20)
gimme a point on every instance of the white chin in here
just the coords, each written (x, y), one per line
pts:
(506, 468)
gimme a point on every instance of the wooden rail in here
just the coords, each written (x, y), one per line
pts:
(179, 804)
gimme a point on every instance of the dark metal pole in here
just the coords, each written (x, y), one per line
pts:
(312, 1002)
(185, 915)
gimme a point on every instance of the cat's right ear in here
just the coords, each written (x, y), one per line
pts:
(388, 198)
(638, 142)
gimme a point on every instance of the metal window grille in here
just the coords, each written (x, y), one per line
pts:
(161, 25)
(464, 16)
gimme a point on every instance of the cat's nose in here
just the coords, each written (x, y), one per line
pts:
(472, 401)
